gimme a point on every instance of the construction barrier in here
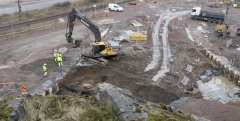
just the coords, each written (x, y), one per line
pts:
(24, 89)
(138, 36)
(6, 89)
(228, 70)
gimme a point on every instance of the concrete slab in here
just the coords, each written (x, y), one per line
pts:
(135, 23)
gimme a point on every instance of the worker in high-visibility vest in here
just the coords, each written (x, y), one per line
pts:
(45, 69)
(55, 55)
(59, 59)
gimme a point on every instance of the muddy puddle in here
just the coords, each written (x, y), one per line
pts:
(223, 81)
(219, 88)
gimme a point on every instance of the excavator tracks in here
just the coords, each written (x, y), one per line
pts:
(94, 60)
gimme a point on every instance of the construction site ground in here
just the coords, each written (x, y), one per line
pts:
(152, 70)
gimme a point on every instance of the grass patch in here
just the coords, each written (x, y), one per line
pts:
(99, 112)
(67, 108)
(5, 110)
(164, 115)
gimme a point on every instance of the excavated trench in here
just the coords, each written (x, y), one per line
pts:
(83, 81)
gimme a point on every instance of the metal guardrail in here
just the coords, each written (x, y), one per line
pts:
(6, 89)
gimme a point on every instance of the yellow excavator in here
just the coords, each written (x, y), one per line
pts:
(220, 29)
(101, 51)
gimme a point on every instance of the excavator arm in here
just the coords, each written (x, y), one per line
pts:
(73, 15)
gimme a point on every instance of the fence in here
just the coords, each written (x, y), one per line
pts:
(6, 89)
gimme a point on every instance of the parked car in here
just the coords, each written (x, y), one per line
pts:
(114, 7)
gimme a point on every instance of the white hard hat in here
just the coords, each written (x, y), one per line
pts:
(45, 64)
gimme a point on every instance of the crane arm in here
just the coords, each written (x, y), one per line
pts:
(71, 21)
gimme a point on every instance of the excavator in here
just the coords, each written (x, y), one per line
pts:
(101, 51)
(220, 29)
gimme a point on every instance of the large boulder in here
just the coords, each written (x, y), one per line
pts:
(18, 111)
(126, 106)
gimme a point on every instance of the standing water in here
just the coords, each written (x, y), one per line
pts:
(221, 80)
(219, 88)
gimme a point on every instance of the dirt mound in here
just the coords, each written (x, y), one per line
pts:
(215, 5)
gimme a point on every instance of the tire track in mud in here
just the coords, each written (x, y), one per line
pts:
(166, 48)
(163, 23)
(156, 45)
(166, 51)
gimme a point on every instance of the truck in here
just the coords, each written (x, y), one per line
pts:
(199, 14)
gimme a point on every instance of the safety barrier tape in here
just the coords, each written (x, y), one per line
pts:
(31, 29)
(5, 85)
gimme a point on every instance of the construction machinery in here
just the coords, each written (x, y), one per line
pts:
(101, 51)
(220, 29)
(199, 14)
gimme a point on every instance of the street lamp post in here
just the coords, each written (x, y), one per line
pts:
(226, 22)
(94, 6)
(19, 10)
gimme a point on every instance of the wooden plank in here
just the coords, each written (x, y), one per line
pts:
(135, 23)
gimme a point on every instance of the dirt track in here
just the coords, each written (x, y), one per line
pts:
(127, 73)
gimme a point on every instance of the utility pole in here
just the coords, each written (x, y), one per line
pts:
(19, 10)
(226, 22)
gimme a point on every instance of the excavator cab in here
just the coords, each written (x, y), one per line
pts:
(100, 49)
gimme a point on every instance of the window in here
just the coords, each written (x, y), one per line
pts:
(193, 10)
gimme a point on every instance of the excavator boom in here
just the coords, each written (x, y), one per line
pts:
(73, 15)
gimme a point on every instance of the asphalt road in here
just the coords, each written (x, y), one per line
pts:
(11, 6)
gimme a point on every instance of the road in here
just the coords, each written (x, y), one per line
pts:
(11, 6)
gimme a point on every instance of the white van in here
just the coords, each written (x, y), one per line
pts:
(114, 7)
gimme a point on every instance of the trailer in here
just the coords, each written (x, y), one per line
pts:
(199, 14)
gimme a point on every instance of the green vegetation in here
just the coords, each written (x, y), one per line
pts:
(5, 110)
(162, 114)
(78, 108)
(68, 108)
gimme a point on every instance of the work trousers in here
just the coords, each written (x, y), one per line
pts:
(60, 63)
(45, 73)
